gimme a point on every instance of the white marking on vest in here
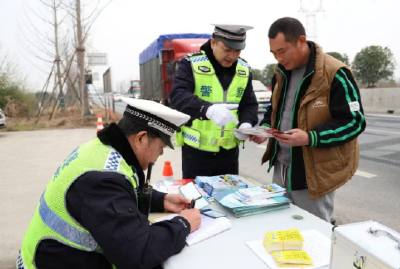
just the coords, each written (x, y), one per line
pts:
(318, 104)
(354, 106)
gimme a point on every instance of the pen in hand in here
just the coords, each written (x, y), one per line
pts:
(193, 203)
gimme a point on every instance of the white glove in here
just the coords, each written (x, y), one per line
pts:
(221, 115)
(241, 136)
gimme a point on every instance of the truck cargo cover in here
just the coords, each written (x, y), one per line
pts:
(152, 51)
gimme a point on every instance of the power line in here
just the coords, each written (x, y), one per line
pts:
(311, 21)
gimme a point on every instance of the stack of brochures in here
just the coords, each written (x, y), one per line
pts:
(283, 240)
(261, 192)
(223, 184)
(292, 258)
(241, 205)
(286, 248)
(315, 251)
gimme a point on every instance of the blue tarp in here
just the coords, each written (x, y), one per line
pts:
(153, 50)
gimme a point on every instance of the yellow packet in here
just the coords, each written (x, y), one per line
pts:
(284, 236)
(298, 257)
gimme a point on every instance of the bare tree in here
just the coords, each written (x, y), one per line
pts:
(82, 28)
(45, 45)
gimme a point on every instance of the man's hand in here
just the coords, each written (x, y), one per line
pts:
(294, 138)
(243, 126)
(258, 139)
(221, 115)
(193, 216)
(175, 203)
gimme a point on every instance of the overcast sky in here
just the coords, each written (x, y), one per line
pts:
(127, 27)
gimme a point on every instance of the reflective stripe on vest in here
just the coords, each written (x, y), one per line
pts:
(51, 219)
(63, 228)
(205, 134)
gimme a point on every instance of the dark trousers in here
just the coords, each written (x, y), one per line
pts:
(195, 163)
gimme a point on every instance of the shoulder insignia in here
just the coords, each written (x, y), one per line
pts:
(243, 63)
(197, 53)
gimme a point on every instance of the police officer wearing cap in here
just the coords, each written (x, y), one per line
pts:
(214, 87)
(92, 215)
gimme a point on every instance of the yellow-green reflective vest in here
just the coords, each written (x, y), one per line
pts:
(205, 135)
(51, 219)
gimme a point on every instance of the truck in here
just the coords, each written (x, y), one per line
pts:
(134, 90)
(159, 62)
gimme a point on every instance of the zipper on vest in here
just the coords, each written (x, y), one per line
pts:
(279, 122)
(305, 93)
(291, 148)
(224, 101)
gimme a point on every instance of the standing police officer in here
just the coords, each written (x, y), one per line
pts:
(214, 87)
(89, 217)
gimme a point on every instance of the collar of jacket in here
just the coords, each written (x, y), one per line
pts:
(314, 65)
(219, 69)
(113, 136)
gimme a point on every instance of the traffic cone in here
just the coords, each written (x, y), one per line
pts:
(167, 171)
(99, 123)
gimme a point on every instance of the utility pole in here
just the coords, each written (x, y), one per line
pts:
(311, 22)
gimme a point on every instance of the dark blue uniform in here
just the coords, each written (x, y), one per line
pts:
(196, 162)
(105, 204)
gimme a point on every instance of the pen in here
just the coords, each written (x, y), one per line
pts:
(193, 202)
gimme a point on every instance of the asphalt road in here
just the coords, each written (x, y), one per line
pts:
(373, 192)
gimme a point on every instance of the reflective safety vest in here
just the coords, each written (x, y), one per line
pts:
(205, 135)
(51, 219)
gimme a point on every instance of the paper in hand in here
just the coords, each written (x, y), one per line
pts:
(257, 131)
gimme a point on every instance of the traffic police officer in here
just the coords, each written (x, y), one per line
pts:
(214, 87)
(89, 217)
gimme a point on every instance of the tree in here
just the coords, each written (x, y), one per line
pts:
(257, 74)
(47, 40)
(343, 58)
(12, 82)
(268, 73)
(372, 64)
(82, 28)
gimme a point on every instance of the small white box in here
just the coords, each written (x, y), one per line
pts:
(365, 245)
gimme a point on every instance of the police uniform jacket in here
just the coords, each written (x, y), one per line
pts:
(105, 204)
(183, 99)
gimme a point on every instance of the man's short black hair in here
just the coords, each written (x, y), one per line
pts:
(291, 28)
(216, 37)
(130, 128)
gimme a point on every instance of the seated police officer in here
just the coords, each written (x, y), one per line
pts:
(89, 217)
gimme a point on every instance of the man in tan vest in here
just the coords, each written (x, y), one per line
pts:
(316, 103)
